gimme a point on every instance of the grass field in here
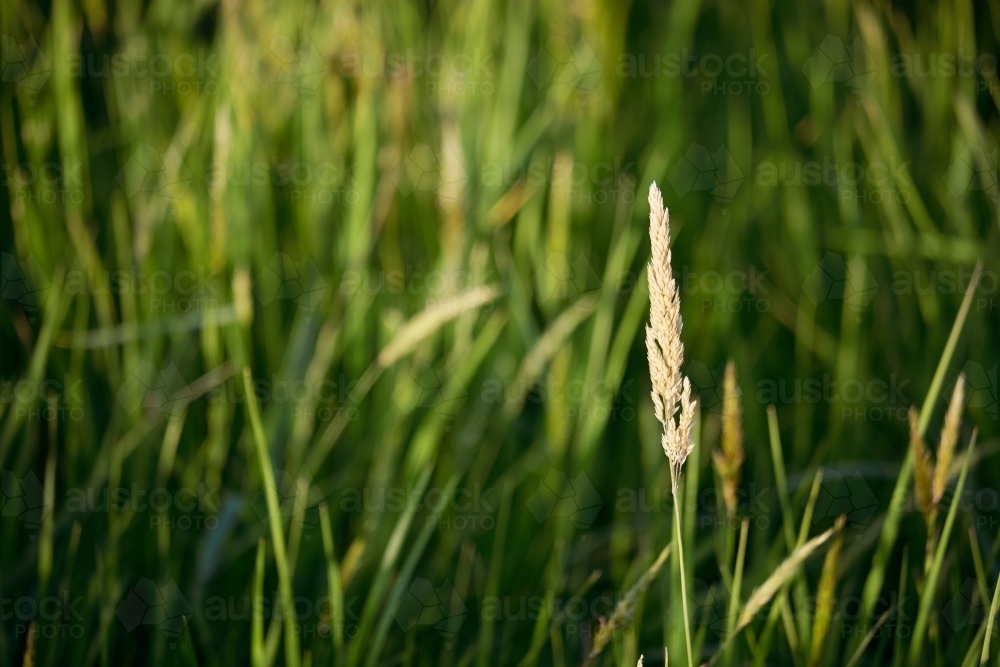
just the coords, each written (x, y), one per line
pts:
(323, 332)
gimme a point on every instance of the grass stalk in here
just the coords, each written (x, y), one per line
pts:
(292, 656)
(985, 656)
(680, 556)
(734, 593)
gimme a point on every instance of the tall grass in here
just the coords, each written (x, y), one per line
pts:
(322, 332)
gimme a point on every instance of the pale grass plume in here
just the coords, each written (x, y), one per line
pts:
(729, 459)
(763, 593)
(671, 391)
(433, 318)
(949, 439)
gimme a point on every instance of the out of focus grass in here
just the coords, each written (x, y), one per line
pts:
(196, 189)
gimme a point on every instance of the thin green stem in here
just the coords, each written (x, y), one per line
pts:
(680, 554)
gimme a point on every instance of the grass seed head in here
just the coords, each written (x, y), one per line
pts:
(671, 391)
(949, 440)
(923, 470)
(729, 459)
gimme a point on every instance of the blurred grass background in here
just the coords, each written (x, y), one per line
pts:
(193, 189)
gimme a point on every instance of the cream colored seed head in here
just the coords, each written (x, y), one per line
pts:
(949, 440)
(665, 351)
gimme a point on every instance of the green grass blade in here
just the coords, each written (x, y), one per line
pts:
(403, 580)
(292, 656)
(780, 478)
(257, 653)
(486, 634)
(373, 600)
(333, 581)
(989, 624)
(735, 594)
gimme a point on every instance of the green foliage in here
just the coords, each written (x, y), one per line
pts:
(418, 231)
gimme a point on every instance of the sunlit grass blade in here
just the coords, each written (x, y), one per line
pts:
(774, 583)
(826, 596)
